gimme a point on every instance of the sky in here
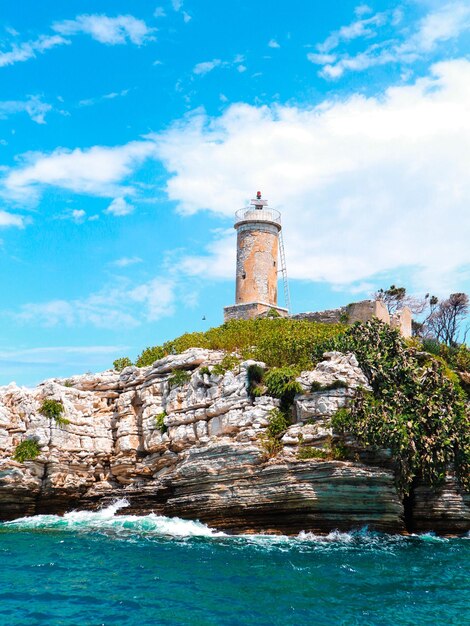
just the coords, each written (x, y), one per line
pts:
(130, 133)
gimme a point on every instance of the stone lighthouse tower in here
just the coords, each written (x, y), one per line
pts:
(258, 228)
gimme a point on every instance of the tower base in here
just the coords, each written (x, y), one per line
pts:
(251, 310)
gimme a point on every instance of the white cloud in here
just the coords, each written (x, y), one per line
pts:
(157, 297)
(447, 22)
(321, 59)
(33, 106)
(206, 66)
(365, 185)
(186, 17)
(115, 306)
(120, 207)
(362, 9)
(28, 49)
(32, 365)
(176, 4)
(107, 96)
(56, 354)
(159, 12)
(107, 30)
(99, 170)
(10, 219)
(272, 43)
(78, 215)
(126, 261)
(360, 28)
(218, 260)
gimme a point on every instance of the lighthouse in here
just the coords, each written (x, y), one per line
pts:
(258, 231)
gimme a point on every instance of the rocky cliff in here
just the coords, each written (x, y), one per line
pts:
(207, 462)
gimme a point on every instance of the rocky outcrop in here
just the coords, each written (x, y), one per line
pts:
(208, 461)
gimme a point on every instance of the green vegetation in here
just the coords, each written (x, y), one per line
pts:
(120, 364)
(336, 384)
(228, 364)
(68, 383)
(255, 375)
(271, 438)
(280, 383)
(309, 452)
(160, 422)
(150, 355)
(335, 451)
(27, 450)
(276, 341)
(179, 378)
(203, 371)
(416, 408)
(456, 357)
(53, 409)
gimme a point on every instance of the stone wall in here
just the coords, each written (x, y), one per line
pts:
(251, 310)
(331, 316)
(362, 312)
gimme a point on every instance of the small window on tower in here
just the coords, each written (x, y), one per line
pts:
(274, 263)
(244, 275)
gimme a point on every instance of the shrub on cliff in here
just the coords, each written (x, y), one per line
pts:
(120, 364)
(457, 357)
(416, 408)
(277, 342)
(280, 383)
(178, 378)
(271, 438)
(150, 355)
(53, 409)
(254, 381)
(228, 364)
(160, 422)
(27, 450)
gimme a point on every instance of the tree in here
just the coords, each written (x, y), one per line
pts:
(392, 298)
(396, 298)
(444, 322)
(120, 364)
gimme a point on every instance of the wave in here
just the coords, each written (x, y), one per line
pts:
(106, 520)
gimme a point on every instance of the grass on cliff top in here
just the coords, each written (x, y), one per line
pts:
(276, 342)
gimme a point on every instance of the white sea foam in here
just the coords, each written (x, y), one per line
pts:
(334, 536)
(106, 520)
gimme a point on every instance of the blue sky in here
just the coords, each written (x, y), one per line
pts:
(130, 132)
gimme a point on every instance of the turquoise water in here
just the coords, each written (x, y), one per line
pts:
(99, 568)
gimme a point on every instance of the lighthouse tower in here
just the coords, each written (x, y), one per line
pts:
(258, 228)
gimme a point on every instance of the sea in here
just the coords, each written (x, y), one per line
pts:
(104, 568)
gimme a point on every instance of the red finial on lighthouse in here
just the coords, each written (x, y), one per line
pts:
(258, 195)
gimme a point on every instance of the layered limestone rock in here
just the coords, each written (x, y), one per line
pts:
(208, 462)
